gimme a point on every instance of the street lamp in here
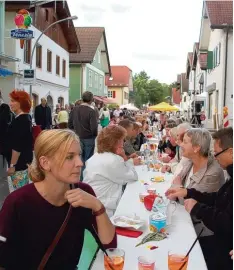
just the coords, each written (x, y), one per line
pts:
(42, 33)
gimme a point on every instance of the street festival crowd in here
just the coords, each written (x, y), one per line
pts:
(61, 182)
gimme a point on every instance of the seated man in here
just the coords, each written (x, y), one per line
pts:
(132, 131)
(214, 209)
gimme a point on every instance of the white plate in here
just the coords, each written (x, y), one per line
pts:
(127, 222)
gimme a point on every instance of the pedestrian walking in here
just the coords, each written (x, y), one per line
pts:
(43, 116)
(85, 123)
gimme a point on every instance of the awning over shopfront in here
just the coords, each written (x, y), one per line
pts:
(108, 100)
(104, 100)
(98, 98)
(5, 72)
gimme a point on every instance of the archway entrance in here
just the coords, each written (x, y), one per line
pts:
(61, 101)
(50, 103)
(34, 100)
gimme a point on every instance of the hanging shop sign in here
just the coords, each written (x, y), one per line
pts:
(23, 20)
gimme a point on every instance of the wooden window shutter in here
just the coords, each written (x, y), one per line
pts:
(113, 95)
(210, 60)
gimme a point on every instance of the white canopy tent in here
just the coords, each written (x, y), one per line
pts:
(130, 107)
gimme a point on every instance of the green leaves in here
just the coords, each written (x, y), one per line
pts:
(148, 91)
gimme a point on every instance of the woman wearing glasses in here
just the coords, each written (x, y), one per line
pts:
(215, 209)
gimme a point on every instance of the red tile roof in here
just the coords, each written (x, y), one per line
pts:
(176, 96)
(120, 76)
(202, 58)
(89, 38)
(220, 12)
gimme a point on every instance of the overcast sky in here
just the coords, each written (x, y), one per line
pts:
(150, 35)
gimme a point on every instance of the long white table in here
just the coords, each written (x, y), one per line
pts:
(181, 231)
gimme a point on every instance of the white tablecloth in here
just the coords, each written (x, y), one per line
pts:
(181, 231)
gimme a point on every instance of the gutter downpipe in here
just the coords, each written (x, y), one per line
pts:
(2, 26)
(225, 71)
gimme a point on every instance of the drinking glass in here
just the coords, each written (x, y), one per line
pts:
(116, 260)
(176, 260)
(145, 263)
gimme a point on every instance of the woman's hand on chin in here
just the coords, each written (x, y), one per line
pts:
(78, 197)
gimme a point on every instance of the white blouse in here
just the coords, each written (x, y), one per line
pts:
(107, 173)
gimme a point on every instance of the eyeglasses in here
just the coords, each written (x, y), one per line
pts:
(219, 153)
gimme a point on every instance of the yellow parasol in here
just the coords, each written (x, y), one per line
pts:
(163, 106)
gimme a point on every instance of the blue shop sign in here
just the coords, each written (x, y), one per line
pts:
(22, 33)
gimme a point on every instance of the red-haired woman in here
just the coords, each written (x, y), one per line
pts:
(19, 142)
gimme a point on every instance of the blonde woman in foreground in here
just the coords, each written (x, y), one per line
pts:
(31, 216)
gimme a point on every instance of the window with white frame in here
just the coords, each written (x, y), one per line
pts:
(210, 105)
(110, 94)
(100, 82)
(218, 53)
(90, 78)
(96, 80)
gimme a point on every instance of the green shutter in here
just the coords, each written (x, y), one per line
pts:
(210, 60)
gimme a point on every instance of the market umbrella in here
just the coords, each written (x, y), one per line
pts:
(163, 106)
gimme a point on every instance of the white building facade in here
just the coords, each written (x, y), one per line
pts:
(216, 38)
(50, 62)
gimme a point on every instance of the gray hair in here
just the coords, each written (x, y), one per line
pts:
(184, 126)
(200, 137)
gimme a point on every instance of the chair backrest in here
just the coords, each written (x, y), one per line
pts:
(89, 251)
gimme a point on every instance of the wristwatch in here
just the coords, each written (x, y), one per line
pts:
(12, 165)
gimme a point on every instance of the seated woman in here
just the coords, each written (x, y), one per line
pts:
(140, 138)
(204, 172)
(108, 170)
(31, 216)
(165, 144)
(171, 148)
(178, 162)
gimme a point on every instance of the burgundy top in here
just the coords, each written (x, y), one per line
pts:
(30, 224)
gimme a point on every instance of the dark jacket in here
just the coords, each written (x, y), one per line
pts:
(20, 139)
(43, 116)
(83, 120)
(216, 211)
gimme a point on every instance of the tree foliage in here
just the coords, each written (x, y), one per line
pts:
(147, 91)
